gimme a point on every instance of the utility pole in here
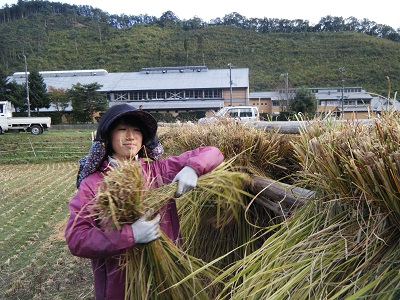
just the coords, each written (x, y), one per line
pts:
(342, 77)
(27, 87)
(230, 81)
(286, 75)
(388, 98)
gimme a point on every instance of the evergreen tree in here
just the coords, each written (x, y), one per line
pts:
(86, 100)
(38, 97)
(3, 86)
(304, 102)
(16, 94)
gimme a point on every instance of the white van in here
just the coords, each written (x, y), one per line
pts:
(238, 113)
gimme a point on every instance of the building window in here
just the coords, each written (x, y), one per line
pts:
(138, 95)
(152, 95)
(213, 93)
(175, 94)
(121, 96)
(349, 102)
(168, 94)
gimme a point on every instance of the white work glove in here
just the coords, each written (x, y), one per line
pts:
(187, 180)
(145, 231)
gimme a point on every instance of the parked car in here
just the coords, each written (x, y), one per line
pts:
(237, 113)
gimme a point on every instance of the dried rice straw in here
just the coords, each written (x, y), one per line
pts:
(153, 268)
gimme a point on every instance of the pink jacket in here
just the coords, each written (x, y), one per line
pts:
(85, 239)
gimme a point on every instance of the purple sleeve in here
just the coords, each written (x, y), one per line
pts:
(203, 160)
(84, 238)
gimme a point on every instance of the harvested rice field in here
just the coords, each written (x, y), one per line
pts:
(35, 262)
(341, 241)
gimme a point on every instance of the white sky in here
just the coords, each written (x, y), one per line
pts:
(385, 12)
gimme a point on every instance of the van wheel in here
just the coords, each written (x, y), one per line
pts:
(36, 129)
(1, 130)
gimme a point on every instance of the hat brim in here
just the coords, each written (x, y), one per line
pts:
(143, 119)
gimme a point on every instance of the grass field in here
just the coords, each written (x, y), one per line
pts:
(53, 145)
(37, 181)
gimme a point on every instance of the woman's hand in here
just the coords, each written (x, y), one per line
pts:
(145, 230)
(187, 180)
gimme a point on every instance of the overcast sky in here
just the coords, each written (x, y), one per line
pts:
(385, 12)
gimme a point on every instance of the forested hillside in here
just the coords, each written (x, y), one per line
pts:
(55, 36)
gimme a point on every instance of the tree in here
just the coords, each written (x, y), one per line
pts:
(168, 20)
(3, 86)
(304, 102)
(16, 94)
(234, 19)
(38, 97)
(59, 98)
(194, 23)
(86, 100)
(332, 24)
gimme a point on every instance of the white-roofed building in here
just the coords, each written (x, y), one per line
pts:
(352, 102)
(159, 89)
(267, 102)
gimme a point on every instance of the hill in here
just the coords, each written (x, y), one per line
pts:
(71, 41)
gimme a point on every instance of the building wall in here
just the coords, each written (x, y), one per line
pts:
(264, 105)
(240, 96)
(357, 102)
(354, 115)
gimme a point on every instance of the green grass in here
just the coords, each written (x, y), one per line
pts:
(52, 145)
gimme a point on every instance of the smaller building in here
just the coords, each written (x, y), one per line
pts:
(267, 102)
(381, 104)
(351, 102)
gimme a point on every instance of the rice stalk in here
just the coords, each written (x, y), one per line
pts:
(263, 153)
(355, 161)
(311, 257)
(345, 243)
(217, 216)
(151, 269)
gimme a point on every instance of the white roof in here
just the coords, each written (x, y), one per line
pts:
(347, 96)
(267, 95)
(379, 104)
(168, 78)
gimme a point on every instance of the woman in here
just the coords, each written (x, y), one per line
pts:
(126, 133)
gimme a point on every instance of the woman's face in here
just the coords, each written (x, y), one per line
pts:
(126, 141)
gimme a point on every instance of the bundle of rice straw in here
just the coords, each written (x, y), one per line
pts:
(153, 269)
(344, 243)
(220, 210)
